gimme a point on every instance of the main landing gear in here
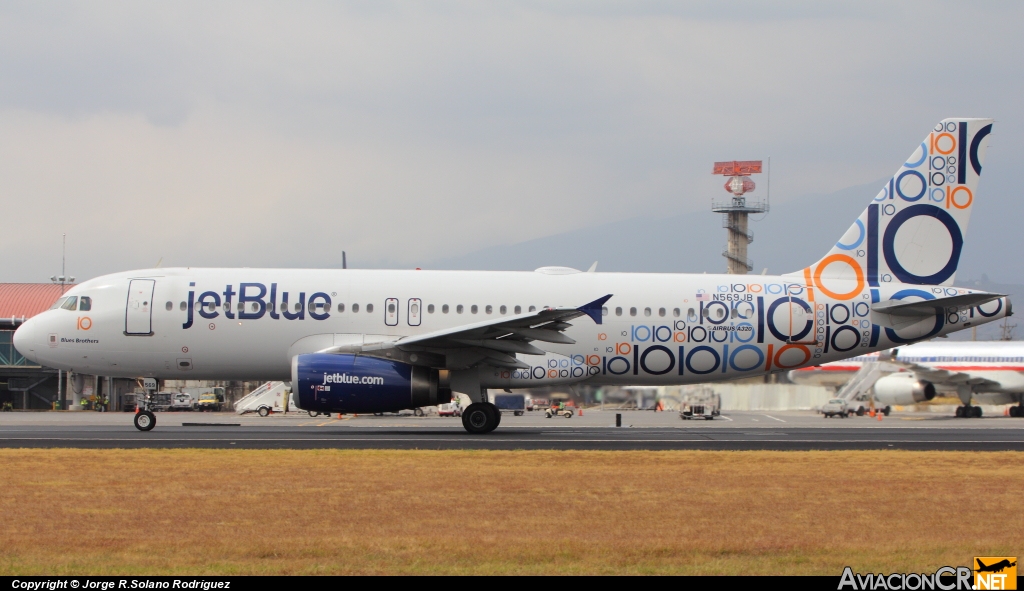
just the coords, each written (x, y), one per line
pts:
(968, 412)
(481, 417)
(1017, 412)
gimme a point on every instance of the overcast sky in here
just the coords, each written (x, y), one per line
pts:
(280, 134)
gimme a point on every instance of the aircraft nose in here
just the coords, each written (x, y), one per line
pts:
(29, 339)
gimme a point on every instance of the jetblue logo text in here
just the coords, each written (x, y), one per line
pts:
(254, 301)
(344, 378)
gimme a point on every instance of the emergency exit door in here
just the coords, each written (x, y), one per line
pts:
(415, 308)
(391, 311)
(138, 317)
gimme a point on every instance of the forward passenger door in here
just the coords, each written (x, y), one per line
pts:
(138, 316)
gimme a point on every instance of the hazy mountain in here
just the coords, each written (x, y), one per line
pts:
(689, 243)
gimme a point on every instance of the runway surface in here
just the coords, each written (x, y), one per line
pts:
(789, 430)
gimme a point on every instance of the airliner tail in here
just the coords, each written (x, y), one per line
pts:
(913, 230)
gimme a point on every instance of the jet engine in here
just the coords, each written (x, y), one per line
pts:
(903, 388)
(354, 383)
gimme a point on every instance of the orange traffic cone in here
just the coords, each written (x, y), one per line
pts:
(879, 415)
(581, 411)
(1006, 411)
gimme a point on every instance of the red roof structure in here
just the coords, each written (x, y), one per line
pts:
(25, 300)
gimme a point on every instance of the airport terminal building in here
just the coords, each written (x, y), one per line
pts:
(23, 384)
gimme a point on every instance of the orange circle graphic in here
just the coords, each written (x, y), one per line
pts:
(952, 197)
(552, 373)
(807, 355)
(952, 143)
(839, 258)
(82, 323)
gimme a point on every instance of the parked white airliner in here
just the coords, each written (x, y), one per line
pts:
(373, 341)
(990, 372)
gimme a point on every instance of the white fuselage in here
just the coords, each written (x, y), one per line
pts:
(657, 328)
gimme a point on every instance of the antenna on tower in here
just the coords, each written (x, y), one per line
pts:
(63, 279)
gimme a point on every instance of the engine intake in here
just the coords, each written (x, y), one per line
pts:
(903, 388)
(355, 383)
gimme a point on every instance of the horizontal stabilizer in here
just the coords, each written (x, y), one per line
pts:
(930, 307)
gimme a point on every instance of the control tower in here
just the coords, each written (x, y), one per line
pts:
(735, 211)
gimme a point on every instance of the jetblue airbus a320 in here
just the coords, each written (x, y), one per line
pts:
(357, 341)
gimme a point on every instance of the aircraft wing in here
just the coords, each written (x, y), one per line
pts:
(945, 377)
(498, 341)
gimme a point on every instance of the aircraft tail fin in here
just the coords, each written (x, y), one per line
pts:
(913, 230)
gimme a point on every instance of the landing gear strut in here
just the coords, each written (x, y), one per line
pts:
(481, 417)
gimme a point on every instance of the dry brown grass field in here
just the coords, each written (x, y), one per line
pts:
(473, 512)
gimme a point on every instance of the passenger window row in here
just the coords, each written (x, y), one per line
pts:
(85, 304)
(474, 309)
(255, 307)
(691, 314)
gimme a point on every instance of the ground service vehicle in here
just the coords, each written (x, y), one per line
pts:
(558, 410)
(513, 403)
(160, 401)
(208, 402)
(836, 407)
(702, 404)
(128, 400)
(207, 398)
(268, 398)
(181, 401)
(449, 409)
(384, 340)
(698, 410)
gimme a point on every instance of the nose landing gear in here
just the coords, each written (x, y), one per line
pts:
(145, 420)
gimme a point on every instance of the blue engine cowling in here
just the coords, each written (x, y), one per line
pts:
(354, 384)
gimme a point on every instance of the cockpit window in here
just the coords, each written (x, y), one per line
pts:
(84, 304)
(71, 304)
(58, 303)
